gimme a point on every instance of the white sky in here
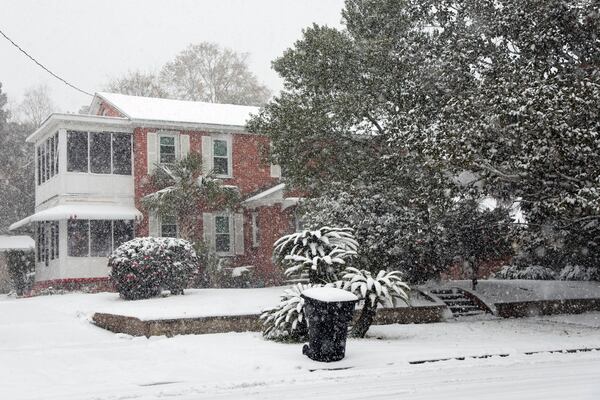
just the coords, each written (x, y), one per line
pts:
(89, 41)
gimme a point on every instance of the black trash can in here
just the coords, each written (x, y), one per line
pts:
(328, 312)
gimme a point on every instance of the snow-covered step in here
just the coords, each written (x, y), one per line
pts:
(458, 302)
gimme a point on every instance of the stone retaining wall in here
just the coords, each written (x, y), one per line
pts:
(244, 323)
(546, 307)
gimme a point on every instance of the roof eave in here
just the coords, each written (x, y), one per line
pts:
(55, 119)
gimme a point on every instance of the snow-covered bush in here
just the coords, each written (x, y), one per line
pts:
(21, 269)
(142, 267)
(320, 253)
(373, 290)
(579, 273)
(287, 321)
(534, 272)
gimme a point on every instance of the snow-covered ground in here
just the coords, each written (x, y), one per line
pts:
(195, 303)
(49, 350)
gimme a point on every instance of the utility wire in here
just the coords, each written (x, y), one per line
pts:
(42, 66)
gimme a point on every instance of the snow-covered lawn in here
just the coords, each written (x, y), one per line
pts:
(49, 350)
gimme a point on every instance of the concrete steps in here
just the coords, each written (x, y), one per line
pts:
(458, 302)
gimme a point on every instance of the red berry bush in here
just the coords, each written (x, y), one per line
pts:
(142, 267)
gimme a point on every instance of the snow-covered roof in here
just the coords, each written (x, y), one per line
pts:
(16, 243)
(105, 211)
(157, 109)
(273, 195)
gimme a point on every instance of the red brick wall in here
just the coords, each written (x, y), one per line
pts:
(274, 223)
(107, 110)
(251, 174)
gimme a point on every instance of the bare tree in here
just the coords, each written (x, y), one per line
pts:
(207, 72)
(137, 83)
(36, 105)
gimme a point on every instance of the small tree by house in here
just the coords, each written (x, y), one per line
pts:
(181, 187)
(142, 267)
(319, 253)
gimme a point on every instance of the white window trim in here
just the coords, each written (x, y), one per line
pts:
(175, 136)
(231, 251)
(227, 139)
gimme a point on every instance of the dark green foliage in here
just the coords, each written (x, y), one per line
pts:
(412, 94)
(142, 267)
(21, 269)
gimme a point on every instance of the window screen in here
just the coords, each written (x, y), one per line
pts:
(121, 154)
(167, 149)
(100, 238)
(222, 234)
(77, 238)
(77, 151)
(100, 152)
(220, 157)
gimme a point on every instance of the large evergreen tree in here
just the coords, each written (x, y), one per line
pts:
(350, 97)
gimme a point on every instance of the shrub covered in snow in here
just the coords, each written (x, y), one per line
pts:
(320, 253)
(286, 321)
(21, 269)
(374, 290)
(143, 266)
(579, 273)
(535, 272)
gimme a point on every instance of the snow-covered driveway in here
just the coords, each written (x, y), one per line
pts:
(48, 350)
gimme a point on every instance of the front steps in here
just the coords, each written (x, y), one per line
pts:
(458, 302)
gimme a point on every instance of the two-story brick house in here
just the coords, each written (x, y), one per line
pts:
(92, 172)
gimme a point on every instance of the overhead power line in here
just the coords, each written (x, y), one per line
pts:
(42, 66)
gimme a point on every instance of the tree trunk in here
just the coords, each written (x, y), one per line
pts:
(365, 319)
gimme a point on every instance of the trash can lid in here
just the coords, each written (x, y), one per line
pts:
(329, 294)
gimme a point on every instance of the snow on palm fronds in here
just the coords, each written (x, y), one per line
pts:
(287, 321)
(379, 289)
(321, 252)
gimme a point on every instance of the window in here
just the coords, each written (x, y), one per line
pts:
(122, 232)
(100, 162)
(78, 238)
(167, 153)
(77, 151)
(220, 157)
(109, 152)
(100, 238)
(168, 226)
(223, 234)
(46, 241)
(39, 165)
(97, 238)
(56, 153)
(255, 230)
(121, 146)
(50, 143)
